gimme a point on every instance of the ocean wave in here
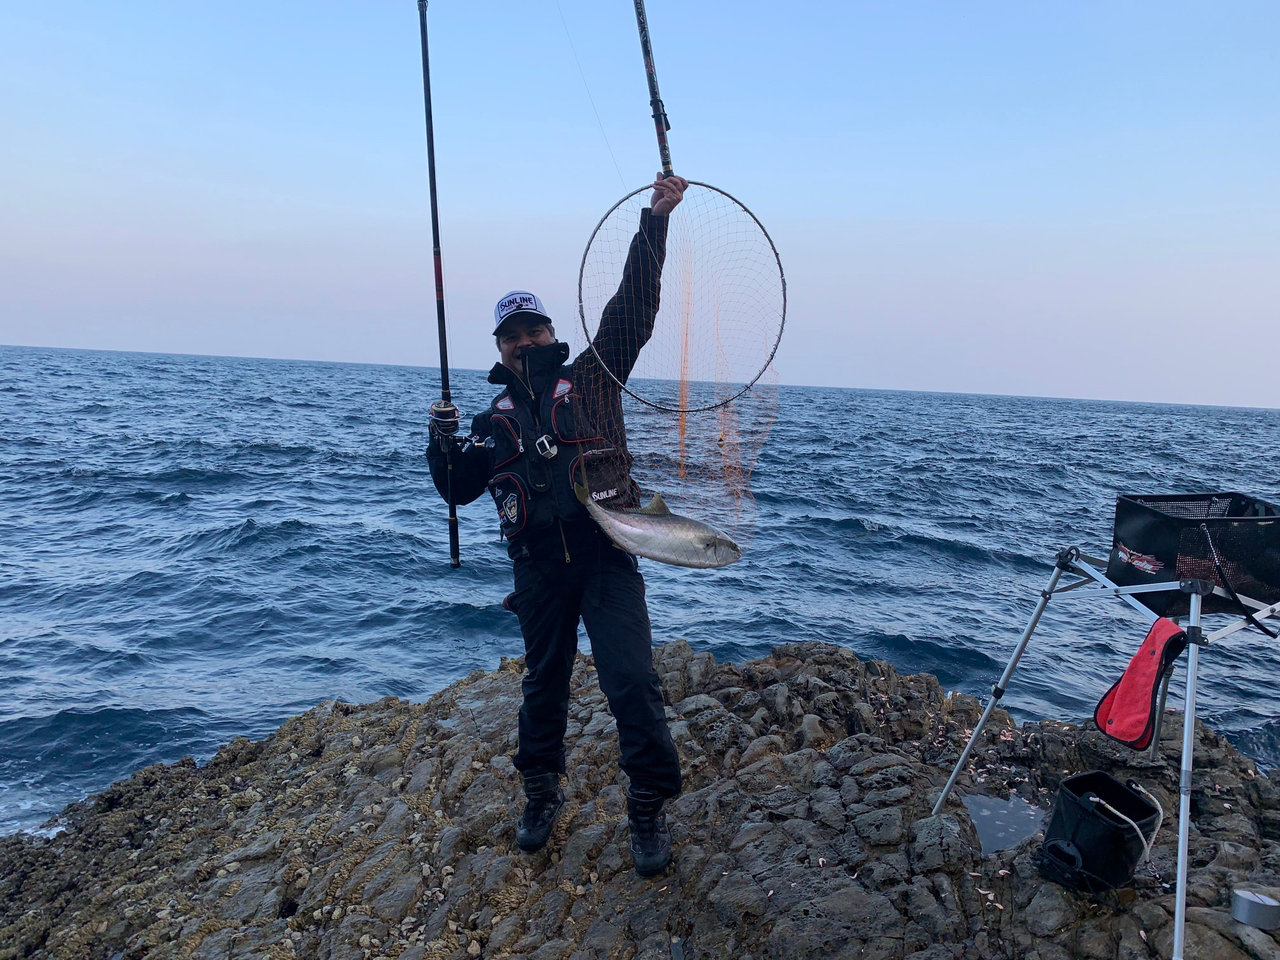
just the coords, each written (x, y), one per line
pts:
(161, 497)
(82, 739)
(80, 470)
(271, 450)
(969, 552)
(734, 651)
(879, 536)
(195, 477)
(246, 535)
(1262, 743)
(955, 661)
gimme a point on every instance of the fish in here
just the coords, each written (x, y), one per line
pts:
(654, 532)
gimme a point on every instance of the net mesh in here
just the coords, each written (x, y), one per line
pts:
(723, 302)
(702, 461)
(676, 382)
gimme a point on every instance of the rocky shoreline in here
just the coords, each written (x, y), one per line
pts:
(386, 831)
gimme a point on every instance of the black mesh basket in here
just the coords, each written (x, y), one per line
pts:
(1087, 846)
(1167, 538)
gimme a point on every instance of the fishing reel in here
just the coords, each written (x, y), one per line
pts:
(445, 417)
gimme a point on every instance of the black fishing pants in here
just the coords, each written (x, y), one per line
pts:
(603, 587)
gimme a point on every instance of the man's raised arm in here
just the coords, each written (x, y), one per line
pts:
(627, 321)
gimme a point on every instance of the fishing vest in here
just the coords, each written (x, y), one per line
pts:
(537, 451)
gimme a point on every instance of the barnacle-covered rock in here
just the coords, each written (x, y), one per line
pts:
(805, 830)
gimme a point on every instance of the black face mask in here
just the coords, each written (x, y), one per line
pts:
(540, 362)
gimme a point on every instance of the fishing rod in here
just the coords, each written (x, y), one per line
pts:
(446, 398)
(660, 122)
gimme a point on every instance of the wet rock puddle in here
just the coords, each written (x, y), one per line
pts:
(1002, 824)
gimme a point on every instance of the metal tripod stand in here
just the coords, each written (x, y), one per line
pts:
(1093, 584)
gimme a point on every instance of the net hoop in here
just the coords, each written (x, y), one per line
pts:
(738, 390)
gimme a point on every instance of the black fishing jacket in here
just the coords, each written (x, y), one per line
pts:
(529, 448)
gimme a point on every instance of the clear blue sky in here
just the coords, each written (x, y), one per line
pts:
(1052, 199)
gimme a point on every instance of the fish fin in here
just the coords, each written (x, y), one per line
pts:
(581, 492)
(657, 507)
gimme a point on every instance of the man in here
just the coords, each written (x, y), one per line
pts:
(553, 426)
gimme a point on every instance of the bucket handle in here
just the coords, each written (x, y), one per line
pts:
(1094, 799)
(1135, 785)
(1065, 852)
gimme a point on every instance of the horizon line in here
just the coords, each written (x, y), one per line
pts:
(794, 386)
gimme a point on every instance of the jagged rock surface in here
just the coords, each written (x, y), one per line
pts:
(386, 830)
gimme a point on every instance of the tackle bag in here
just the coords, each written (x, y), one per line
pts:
(1229, 539)
(1086, 846)
(1128, 711)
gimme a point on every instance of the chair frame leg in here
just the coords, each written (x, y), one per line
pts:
(998, 690)
(1184, 781)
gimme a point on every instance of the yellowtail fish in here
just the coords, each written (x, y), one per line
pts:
(655, 532)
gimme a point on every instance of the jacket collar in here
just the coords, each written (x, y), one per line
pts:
(540, 366)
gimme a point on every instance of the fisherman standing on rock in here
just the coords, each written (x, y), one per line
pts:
(555, 425)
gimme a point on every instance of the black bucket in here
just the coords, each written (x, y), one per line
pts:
(1086, 846)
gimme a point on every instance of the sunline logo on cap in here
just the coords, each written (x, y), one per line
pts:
(518, 301)
(521, 301)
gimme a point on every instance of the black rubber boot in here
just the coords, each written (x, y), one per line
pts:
(543, 800)
(650, 838)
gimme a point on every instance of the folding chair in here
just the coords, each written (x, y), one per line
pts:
(1171, 556)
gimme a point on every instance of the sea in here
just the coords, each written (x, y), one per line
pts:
(196, 548)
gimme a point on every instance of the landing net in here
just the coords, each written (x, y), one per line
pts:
(695, 410)
(724, 299)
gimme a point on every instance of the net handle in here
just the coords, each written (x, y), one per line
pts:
(660, 122)
(586, 329)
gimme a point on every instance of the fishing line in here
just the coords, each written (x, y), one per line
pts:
(590, 99)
